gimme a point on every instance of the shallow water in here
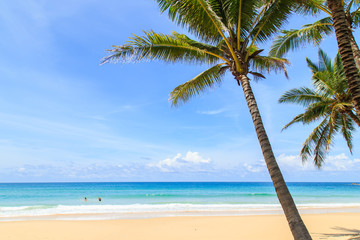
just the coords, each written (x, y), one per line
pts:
(137, 200)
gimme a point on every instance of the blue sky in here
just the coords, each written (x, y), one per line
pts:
(64, 117)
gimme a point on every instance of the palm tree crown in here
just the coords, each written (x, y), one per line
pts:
(228, 36)
(329, 103)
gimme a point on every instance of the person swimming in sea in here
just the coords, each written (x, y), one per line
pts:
(99, 199)
(85, 199)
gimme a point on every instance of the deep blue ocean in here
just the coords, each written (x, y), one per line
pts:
(127, 200)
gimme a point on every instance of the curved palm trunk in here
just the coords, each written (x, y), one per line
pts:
(347, 56)
(293, 217)
(355, 49)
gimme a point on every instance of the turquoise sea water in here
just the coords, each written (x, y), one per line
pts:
(124, 200)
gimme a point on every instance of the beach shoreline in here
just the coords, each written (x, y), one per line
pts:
(255, 227)
(83, 216)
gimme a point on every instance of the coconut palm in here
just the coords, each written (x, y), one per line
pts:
(329, 103)
(344, 17)
(228, 31)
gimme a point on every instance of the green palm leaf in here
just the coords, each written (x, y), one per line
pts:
(241, 14)
(324, 62)
(303, 96)
(347, 127)
(296, 38)
(167, 48)
(277, 11)
(308, 7)
(356, 18)
(197, 16)
(197, 85)
(316, 141)
(298, 118)
(316, 111)
(268, 64)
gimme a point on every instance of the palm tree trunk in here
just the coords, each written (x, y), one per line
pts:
(347, 56)
(293, 217)
(355, 49)
(353, 117)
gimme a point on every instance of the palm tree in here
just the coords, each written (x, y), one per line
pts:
(229, 30)
(329, 103)
(340, 20)
(347, 56)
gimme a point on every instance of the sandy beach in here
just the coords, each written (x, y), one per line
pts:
(271, 227)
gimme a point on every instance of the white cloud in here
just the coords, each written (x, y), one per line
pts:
(212, 112)
(292, 162)
(256, 167)
(179, 161)
(341, 162)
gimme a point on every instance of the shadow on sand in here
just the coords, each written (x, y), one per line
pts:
(350, 234)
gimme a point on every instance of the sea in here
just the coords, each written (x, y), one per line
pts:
(125, 200)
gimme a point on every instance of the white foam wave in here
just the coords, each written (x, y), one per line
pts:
(174, 208)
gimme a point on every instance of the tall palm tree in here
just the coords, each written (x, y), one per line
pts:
(347, 56)
(329, 103)
(343, 20)
(229, 30)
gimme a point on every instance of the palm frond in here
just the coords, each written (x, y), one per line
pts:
(218, 7)
(356, 18)
(347, 127)
(268, 64)
(314, 67)
(316, 111)
(196, 44)
(315, 143)
(303, 96)
(197, 16)
(275, 16)
(197, 85)
(321, 146)
(243, 12)
(339, 81)
(296, 38)
(324, 62)
(308, 7)
(334, 126)
(322, 82)
(257, 76)
(168, 48)
(298, 118)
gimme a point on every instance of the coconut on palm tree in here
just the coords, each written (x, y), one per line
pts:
(228, 31)
(329, 103)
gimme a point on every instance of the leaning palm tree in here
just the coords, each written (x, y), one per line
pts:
(229, 31)
(329, 103)
(344, 17)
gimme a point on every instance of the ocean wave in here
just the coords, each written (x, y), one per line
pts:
(175, 208)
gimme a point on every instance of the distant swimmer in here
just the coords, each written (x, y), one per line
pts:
(85, 199)
(99, 199)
